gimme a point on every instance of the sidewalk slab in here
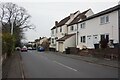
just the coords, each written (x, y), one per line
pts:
(12, 67)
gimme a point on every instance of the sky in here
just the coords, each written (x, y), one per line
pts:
(44, 13)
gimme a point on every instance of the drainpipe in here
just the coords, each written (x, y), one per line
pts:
(119, 24)
(77, 35)
(119, 31)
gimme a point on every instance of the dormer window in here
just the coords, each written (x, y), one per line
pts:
(72, 28)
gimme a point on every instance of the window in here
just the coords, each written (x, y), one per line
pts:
(102, 37)
(60, 29)
(83, 39)
(107, 19)
(82, 25)
(52, 40)
(105, 36)
(104, 19)
(71, 28)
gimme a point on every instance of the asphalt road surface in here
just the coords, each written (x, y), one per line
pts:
(48, 65)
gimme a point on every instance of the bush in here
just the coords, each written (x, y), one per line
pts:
(7, 43)
(103, 43)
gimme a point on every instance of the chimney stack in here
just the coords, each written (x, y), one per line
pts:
(56, 22)
(71, 15)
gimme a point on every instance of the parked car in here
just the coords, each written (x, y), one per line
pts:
(17, 48)
(33, 48)
(41, 49)
(29, 48)
(24, 49)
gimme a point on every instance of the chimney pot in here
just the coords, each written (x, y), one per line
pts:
(56, 22)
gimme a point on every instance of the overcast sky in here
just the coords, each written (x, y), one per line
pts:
(45, 12)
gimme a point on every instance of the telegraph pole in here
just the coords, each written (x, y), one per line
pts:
(12, 27)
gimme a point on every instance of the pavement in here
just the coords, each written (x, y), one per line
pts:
(91, 59)
(12, 68)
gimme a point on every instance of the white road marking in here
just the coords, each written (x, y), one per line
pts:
(65, 66)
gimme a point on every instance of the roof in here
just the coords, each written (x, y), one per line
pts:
(80, 16)
(65, 37)
(101, 13)
(63, 21)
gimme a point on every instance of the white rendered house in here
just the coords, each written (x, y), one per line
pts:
(86, 29)
(62, 36)
(103, 25)
(60, 30)
(70, 39)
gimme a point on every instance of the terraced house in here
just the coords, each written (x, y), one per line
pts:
(86, 29)
(61, 37)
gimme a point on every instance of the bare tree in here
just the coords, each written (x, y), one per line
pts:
(11, 15)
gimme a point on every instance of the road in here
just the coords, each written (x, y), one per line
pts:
(49, 65)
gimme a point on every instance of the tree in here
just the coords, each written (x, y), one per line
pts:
(13, 15)
(13, 19)
(45, 45)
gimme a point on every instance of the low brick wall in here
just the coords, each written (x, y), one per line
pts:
(103, 53)
(72, 50)
(52, 49)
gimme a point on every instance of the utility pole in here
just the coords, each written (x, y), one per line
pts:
(11, 27)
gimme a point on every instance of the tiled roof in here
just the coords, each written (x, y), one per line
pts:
(80, 16)
(63, 21)
(65, 37)
(102, 13)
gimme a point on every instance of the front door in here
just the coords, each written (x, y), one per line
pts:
(95, 39)
(89, 41)
(60, 48)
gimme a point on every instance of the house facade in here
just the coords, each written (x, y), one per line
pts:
(60, 30)
(103, 25)
(61, 36)
(86, 29)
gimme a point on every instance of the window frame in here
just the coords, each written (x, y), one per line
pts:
(104, 19)
(82, 25)
(71, 28)
(52, 41)
(83, 39)
(60, 29)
